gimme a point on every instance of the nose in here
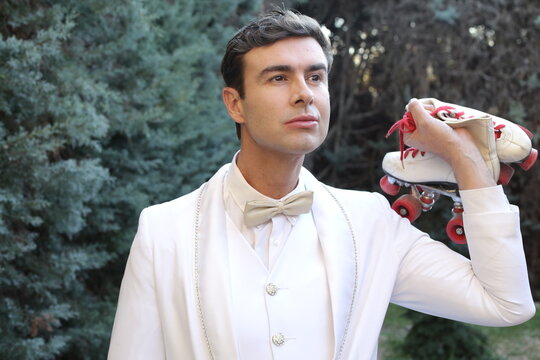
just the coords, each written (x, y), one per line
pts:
(302, 93)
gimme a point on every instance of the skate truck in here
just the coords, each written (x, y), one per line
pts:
(428, 176)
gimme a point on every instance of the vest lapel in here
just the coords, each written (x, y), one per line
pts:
(214, 272)
(337, 241)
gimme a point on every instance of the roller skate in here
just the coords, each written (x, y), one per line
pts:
(428, 176)
(512, 141)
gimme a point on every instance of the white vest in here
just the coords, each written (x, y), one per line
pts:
(273, 310)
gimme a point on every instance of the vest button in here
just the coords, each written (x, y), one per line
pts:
(278, 339)
(271, 289)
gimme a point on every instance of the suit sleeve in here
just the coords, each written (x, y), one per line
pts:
(491, 289)
(137, 331)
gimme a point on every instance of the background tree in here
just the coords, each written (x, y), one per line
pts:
(482, 54)
(109, 106)
(106, 107)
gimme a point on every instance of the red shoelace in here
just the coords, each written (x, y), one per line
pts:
(498, 131)
(413, 152)
(406, 125)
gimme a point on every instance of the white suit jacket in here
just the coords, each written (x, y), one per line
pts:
(175, 296)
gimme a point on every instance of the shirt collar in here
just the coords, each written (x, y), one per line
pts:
(241, 192)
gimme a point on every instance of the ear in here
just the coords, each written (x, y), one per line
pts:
(233, 103)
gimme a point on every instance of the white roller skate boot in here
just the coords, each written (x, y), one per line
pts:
(417, 167)
(512, 142)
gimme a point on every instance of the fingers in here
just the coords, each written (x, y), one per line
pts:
(431, 134)
(426, 104)
(418, 111)
(429, 107)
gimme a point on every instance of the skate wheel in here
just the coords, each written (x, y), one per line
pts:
(530, 160)
(387, 187)
(408, 206)
(527, 131)
(506, 174)
(455, 229)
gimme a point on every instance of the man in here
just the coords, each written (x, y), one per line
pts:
(210, 276)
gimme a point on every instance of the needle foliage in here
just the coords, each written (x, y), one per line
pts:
(106, 107)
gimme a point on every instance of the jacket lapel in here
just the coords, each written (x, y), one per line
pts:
(340, 257)
(214, 280)
(214, 283)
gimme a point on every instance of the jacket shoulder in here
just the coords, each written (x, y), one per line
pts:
(355, 199)
(171, 213)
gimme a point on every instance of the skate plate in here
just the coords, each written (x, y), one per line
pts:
(421, 198)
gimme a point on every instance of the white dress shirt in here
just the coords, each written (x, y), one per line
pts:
(269, 238)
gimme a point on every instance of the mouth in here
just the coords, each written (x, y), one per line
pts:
(303, 121)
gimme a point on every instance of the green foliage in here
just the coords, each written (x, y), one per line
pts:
(436, 338)
(517, 112)
(106, 107)
(505, 342)
(109, 106)
(448, 14)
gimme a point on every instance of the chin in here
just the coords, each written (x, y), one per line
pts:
(304, 150)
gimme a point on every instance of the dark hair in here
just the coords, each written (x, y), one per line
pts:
(276, 25)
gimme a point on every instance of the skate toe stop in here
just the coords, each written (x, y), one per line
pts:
(530, 160)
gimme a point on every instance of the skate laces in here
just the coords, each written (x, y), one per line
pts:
(407, 125)
(447, 111)
(413, 152)
(498, 128)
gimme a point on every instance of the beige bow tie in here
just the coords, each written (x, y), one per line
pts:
(257, 212)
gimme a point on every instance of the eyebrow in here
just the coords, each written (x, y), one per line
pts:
(288, 68)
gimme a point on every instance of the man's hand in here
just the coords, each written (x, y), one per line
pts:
(456, 146)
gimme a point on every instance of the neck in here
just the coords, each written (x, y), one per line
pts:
(271, 174)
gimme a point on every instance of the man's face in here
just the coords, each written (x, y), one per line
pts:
(286, 107)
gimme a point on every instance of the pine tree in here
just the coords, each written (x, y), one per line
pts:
(106, 107)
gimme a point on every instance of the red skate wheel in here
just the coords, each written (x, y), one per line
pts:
(387, 187)
(455, 229)
(506, 174)
(527, 131)
(408, 206)
(530, 160)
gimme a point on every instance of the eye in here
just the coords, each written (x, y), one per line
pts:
(316, 78)
(278, 78)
